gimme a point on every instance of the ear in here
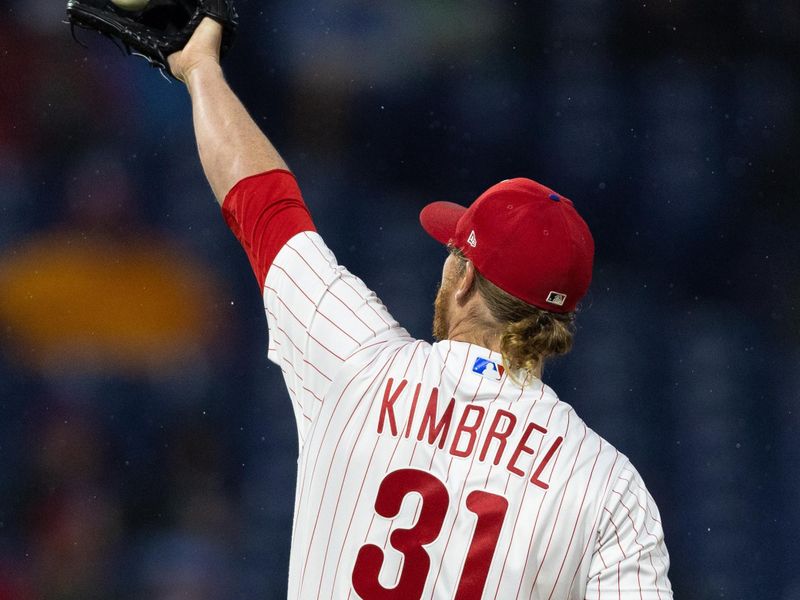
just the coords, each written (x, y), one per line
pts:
(466, 284)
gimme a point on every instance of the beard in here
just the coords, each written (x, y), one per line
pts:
(441, 312)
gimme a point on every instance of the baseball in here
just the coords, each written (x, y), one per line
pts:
(131, 5)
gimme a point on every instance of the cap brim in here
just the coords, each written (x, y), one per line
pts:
(440, 219)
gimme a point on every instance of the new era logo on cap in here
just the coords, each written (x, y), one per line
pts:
(556, 298)
(472, 240)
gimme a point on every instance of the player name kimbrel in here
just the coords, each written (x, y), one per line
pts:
(468, 435)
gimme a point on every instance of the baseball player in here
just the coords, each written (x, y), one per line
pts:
(432, 471)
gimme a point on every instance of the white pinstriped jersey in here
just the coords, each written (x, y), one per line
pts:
(425, 472)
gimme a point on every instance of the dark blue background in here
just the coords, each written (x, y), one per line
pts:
(674, 127)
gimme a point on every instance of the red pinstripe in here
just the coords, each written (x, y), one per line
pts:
(411, 359)
(292, 392)
(630, 518)
(303, 325)
(322, 254)
(324, 347)
(602, 560)
(313, 366)
(312, 393)
(463, 487)
(577, 520)
(441, 374)
(444, 362)
(397, 444)
(290, 278)
(294, 373)
(654, 570)
(327, 426)
(591, 538)
(336, 405)
(648, 532)
(525, 490)
(558, 513)
(647, 507)
(527, 419)
(330, 466)
(636, 539)
(347, 465)
(616, 532)
(361, 349)
(330, 290)
(638, 571)
(510, 404)
(286, 306)
(361, 487)
(317, 309)
(288, 337)
(433, 450)
(463, 368)
(388, 466)
(293, 395)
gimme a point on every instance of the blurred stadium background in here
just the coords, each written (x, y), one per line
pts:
(147, 449)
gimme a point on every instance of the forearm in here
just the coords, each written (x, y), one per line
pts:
(230, 144)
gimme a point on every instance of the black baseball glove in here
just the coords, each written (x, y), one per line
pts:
(158, 30)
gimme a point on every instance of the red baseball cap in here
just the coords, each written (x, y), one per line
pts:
(523, 237)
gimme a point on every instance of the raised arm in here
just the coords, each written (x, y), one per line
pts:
(231, 145)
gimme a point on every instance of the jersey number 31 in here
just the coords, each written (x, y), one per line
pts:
(489, 508)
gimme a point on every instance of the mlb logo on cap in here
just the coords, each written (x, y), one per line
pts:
(488, 369)
(556, 298)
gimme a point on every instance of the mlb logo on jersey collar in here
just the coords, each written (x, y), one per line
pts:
(488, 369)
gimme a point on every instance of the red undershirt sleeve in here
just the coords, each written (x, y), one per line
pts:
(264, 212)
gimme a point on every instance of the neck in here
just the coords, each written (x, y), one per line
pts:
(465, 331)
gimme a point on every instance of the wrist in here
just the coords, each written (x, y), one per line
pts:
(200, 70)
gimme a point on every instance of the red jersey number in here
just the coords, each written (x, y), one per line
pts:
(490, 510)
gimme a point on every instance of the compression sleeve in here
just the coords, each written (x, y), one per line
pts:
(264, 212)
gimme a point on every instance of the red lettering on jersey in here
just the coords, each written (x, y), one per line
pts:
(470, 430)
(535, 478)
(413, 409)
(496, 433)
(442, 425)
(387, 406)
(521, 447)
